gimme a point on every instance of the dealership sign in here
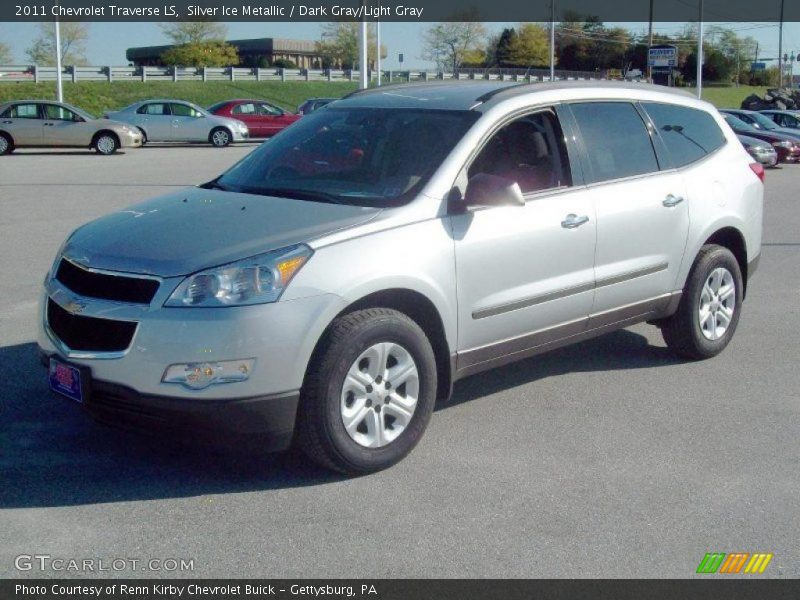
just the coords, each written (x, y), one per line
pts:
(663, 57)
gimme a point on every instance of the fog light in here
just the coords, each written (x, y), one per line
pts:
(197, 376)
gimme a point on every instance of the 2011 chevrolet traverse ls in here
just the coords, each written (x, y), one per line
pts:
(329, 287)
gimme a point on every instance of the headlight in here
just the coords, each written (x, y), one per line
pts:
(785, 144)
(255, 280)
(243, 127)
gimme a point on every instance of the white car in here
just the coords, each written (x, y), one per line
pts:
(332, 285)
(179, 121)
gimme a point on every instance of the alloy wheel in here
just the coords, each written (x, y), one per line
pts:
(717, 303)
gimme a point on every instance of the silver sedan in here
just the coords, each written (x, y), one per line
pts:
(180, 121)
(39, 123)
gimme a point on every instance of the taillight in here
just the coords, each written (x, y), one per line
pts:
(758, 169)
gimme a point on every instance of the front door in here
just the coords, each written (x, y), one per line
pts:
(62, 127)
(525, 273)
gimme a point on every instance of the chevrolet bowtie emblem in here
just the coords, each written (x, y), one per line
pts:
(74, 307)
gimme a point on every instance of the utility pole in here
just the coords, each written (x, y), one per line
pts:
(378, 44)
(780, 48)
(552, 40)
(650, 45)
(363, 76)
(700, 53)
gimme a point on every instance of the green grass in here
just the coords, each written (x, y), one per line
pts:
(97, 97)
(728, 97)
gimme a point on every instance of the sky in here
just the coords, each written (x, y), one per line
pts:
(108, 41)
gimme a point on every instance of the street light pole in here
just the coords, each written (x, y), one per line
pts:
(378, 44)
(552, 40)
(59, 82)
(650, 45)
(363, 76)
(780, 48)
(700, 54)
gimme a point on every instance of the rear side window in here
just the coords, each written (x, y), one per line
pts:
(616, 139)
(689, 134)
(154, 109)
(22, 111)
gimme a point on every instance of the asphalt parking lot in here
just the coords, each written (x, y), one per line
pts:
(609, 459)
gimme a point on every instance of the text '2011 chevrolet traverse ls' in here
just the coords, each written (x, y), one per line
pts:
(329, 287)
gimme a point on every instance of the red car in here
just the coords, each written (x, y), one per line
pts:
(262, 118)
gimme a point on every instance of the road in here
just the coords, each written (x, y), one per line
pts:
(609, 459)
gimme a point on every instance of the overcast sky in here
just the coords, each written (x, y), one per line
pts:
(108, 41)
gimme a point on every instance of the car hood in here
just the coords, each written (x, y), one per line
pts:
(768, 136)
(197, 228)
(792, 133)
(753, 142)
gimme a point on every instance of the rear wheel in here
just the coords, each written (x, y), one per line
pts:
(220, 137)
(710, 305)
(6, 144)
(369, 393)
(106, 144)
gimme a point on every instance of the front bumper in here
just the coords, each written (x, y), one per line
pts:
(130, 140)
(258, 423)
(240, 136)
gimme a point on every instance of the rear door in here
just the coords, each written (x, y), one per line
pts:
(642, 215)
(24, 122)
(525, 273)
(155, 118)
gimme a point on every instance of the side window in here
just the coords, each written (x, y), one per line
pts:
(616, 138)
(244, 109)
(54, 112)
(268, 110)
(155, 109)
(183, 110)
(23, 111)
(529, 150)
(689, 134)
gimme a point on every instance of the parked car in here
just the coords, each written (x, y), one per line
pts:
(760, 150)
(786, 119)
(762, 122)
(473, 225)
(41, 123)
(313, 104)
(179, 121)
(262, 118)
(788, 148)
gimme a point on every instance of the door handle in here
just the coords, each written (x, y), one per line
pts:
(672, 200)
(48, 124)
(571, 221)
(8, 122)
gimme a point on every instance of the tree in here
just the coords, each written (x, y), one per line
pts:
(6, 58)
(503, 52)
(530, 46)
(193, 32)
(449, 44)
(338, 45)
(213, 53)
(73, 44)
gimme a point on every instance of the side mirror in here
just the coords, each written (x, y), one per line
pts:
(484, 189)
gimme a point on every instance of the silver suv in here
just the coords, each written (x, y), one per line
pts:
(331, 286)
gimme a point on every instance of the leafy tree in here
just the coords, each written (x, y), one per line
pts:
(449, 44)
(530, 46)
(193, 32)
(284, 63)
(213, 53)
(73, 44)
(338, 45)
(6, 58)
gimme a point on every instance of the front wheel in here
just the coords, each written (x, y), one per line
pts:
(369, 392)
(106, 144)
(709, 310)
(220, 137)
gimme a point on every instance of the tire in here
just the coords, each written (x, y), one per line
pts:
(359, 343)
(697, 337)
(106, 143)
(6, 144)
(220, 137)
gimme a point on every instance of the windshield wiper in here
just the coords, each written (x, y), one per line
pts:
(214, 184)
(311, 195)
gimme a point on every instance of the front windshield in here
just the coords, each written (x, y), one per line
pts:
(765, 122)
(737, 124)
(364, 156)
